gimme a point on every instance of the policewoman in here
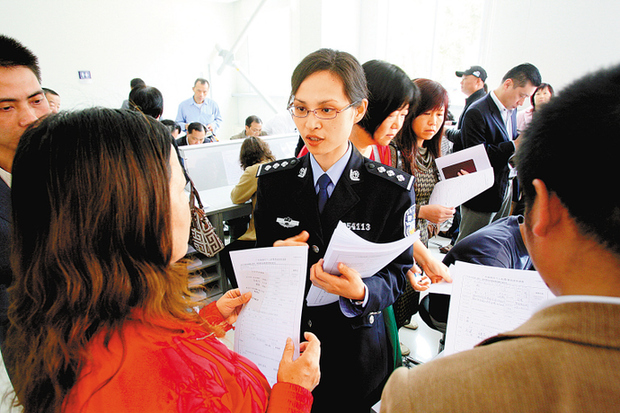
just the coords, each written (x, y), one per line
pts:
(303, 200)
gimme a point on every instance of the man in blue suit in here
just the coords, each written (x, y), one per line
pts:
(492, 121)
(22, 101)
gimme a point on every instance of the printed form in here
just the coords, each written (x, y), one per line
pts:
(276, 276)
(487, 301)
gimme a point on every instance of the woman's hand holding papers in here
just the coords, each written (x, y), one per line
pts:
(229, 305)
(436, 214)
(304, 371)
(348, 284)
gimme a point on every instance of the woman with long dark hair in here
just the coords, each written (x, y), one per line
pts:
(100, 310)
(419, 143)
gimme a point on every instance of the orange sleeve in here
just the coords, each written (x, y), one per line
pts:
(290, 398)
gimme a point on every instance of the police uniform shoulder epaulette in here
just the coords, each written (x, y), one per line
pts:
(279, 165)
(394, 175)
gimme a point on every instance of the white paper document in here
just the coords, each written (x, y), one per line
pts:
(453, 190)
(366, 257)
(487, 301)
(276, 276)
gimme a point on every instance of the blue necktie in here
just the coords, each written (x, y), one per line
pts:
(323, 196)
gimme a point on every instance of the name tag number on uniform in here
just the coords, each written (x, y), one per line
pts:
(358, 226)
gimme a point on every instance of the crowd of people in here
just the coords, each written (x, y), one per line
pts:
(95, 308)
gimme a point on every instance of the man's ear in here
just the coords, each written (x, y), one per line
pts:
(546, 211)
(508, 84)
(360, 110)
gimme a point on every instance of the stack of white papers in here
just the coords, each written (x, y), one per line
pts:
(366, 257)
(453, 190)
(487, 301)
(276, 276)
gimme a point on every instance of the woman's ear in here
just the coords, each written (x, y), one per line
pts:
(360, 110)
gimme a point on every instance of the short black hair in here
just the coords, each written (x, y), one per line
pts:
(196, 126)
(13, 53)
(172, 125)
(148, 100)
(588, 109)
(390, 88)
(202, 80)
(136, 81)
(251, 119)
(523, 73)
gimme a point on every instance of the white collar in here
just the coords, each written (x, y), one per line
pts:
(579, 299)
(336, 170)
(6, 177)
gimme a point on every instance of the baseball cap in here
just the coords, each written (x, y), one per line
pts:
(477, 71)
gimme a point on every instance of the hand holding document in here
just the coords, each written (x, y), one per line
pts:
(453, 189)
(487, 301)
(366, 257)
(276, 276)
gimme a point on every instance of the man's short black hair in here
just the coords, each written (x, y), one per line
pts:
(251, 119)
(172, 125)
(572, 146)
(135, 82)
(523, 73)
(196, 126)
(13, 53)
(201, 81)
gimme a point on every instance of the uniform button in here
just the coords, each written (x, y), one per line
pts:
(371, 319)
(315, 249)
(371, 166)
(309, 323)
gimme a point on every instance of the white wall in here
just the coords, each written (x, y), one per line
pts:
(564, 39)
(171, 42)
(167, 43)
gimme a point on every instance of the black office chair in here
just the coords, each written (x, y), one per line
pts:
(434, 312)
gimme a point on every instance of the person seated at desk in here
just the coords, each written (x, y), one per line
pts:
(254, 152)
(173, 127)
(100, 317)
(565, 358)
(499, 244)
(196, 134)
(253, 127)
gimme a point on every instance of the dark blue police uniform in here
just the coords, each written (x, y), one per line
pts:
(377, 203)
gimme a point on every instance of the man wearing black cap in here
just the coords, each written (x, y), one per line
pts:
(472, 84)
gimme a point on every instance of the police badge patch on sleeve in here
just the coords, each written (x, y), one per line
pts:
(409, 221)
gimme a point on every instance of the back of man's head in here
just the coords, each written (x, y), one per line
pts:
(556, 149)
(523, 73)
(13, 53)
(135, 82)
(196, 126)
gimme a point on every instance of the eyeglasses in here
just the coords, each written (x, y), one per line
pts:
(322, 113)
